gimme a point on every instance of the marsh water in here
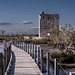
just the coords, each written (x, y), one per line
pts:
(1, 47)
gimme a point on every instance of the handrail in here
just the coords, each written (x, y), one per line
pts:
(63, 69)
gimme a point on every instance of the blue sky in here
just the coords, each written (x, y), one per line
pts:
(17, 11)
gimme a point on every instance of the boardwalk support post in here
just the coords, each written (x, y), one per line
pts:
(56, 70)
(48, 63)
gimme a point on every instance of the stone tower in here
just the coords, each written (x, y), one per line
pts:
(48, 23)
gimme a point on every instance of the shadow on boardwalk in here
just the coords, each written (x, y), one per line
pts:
(12, 67)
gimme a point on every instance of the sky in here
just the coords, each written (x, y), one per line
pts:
(21, 16)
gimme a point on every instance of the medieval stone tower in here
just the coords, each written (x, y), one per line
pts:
(48, 23)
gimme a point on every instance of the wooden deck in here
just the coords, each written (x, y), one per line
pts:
(22, 63)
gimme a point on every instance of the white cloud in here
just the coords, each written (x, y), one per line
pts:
(8, 23)
(26, 22)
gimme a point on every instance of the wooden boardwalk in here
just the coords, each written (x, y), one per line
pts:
(22, 63)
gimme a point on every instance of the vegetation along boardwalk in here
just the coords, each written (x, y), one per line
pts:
(22, 63)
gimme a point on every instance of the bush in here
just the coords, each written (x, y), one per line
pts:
(41, 41)
(68, 59)
(30, 36)
(58, 55)
(63, 58)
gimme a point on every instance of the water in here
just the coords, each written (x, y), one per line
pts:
(1, 47)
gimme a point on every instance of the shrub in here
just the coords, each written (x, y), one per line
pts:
(63, 58)
(58, 55)
(68, 59)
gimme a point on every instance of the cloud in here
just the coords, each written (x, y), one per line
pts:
(26, 22)
(35, 27)
(8, 23)
(5, 23)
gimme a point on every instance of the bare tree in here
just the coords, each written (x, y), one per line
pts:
(2, 32)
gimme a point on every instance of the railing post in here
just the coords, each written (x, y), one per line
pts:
(5, 52)
(1, 65)
(6, 56)
(17, 43)
(30, 48)
(9, 50)
(56, 70)
(41, 59)
(27, 47)
(35, 52)
(20, 44)
(38, 55)
(24, 46)
(48, 63)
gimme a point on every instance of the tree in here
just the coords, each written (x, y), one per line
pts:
(64, 37)
(67, 33)
(2, 32)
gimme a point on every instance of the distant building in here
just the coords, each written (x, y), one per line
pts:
(48, 23)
